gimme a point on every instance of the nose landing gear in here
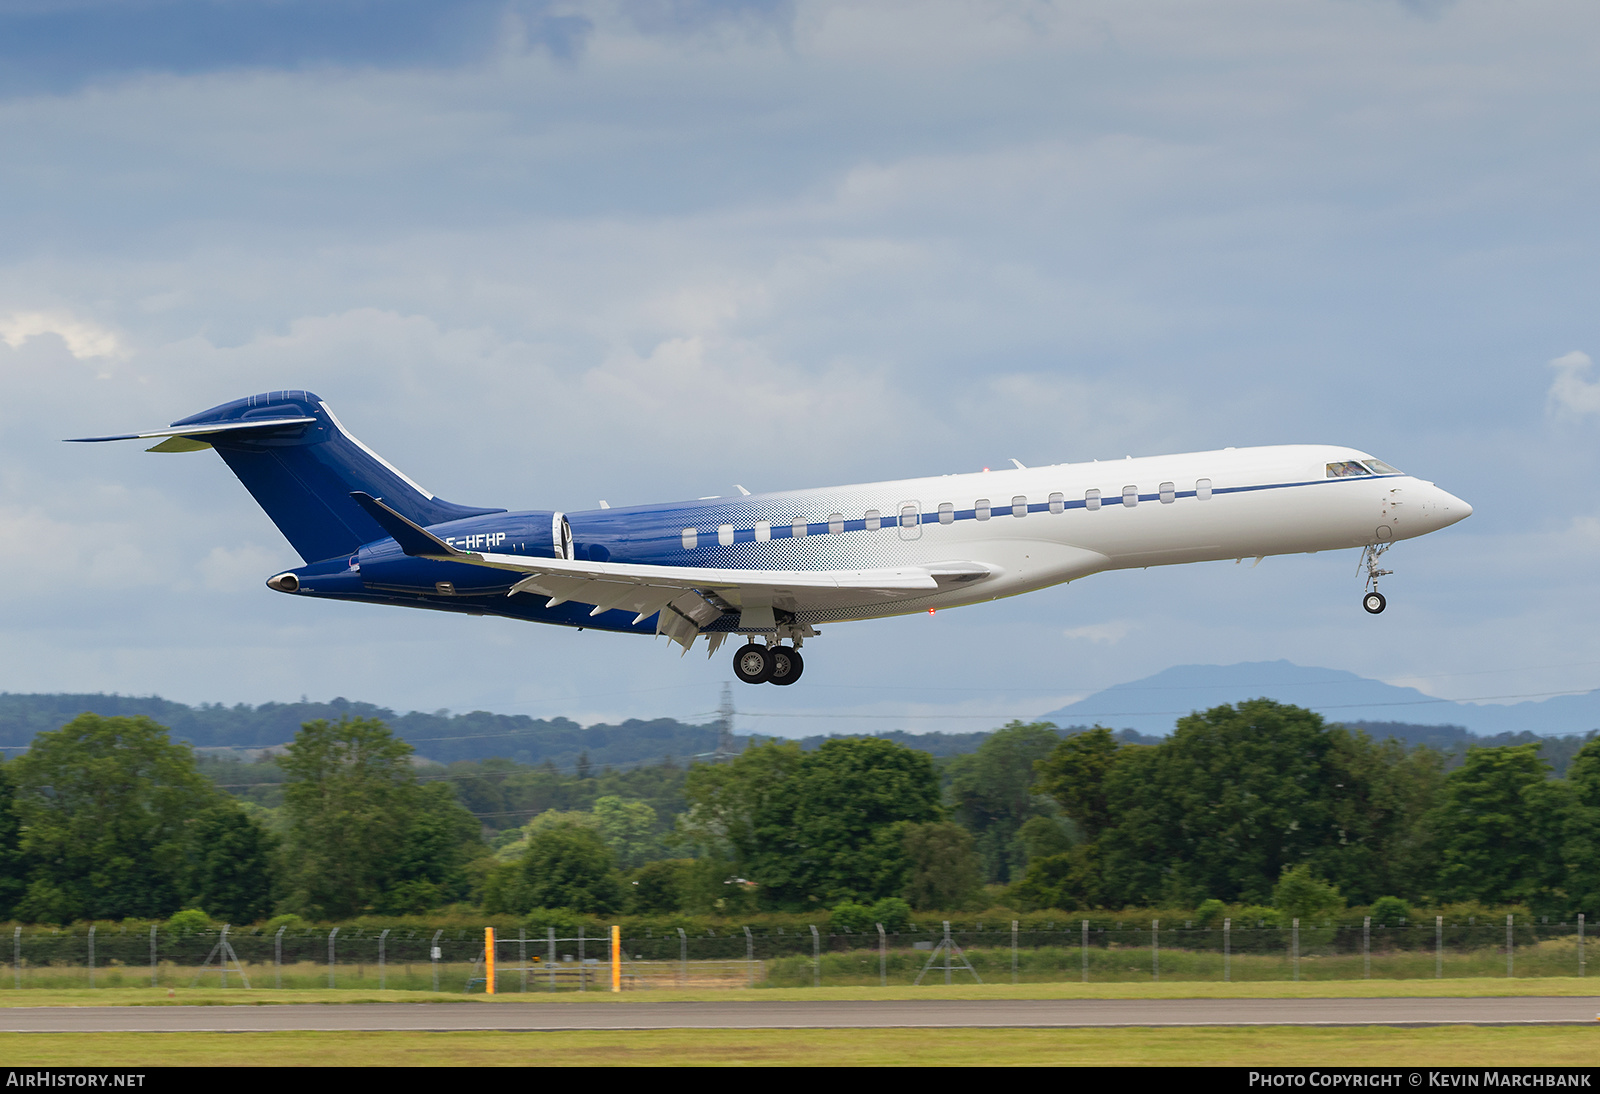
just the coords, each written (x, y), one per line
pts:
(1372, 600)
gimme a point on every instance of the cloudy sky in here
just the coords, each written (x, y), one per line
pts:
(539, 254)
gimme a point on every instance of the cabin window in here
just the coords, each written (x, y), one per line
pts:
(763, 531)
(1058, 503)
(725, 534)
(799, 529)
(1380, 468)
(980, 508)
(1091, 499)
(836, 522)
(1202, 489)
(1019, 506)
(874, 520)
(1346, 469)
(1130, 496)
(691, 536)
(1169, 493)
(947, 512)
(908, 515)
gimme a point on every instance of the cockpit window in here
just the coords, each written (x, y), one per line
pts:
(1381, 468)
(1346, 469)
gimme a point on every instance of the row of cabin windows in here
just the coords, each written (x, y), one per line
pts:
(983, 509)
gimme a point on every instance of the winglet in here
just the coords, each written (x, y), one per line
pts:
(412, 538)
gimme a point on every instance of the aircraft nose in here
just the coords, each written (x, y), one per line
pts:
(1448, 509)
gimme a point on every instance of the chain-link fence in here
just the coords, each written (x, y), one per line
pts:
(534, 960)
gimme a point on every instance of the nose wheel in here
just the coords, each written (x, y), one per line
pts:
(1372, 600)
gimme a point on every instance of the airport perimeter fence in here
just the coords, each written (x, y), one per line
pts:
(452, 960)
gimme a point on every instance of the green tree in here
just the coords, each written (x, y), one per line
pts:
(230, 864)
(13, 866)
(814, 827)
(944, 870)
(569, 866)
(995, 796)
(363, 836)
(105, 806)
(1580, 836)
(628, 827)
(1075, 773)
(1498, 829)
(1300, 894)
(658, 887)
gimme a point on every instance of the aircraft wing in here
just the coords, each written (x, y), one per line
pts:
(691, 597)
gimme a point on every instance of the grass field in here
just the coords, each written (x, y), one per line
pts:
(1179, 989)
(1453, 1046)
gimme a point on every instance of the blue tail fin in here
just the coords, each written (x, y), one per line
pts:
(303, 475)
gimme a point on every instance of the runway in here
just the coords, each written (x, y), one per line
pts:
(821, 1014)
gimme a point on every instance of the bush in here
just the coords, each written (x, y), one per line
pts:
(1300, 894)
(893, 913)
(658, 887)
(1210, 914)
(847, 915)
(189, 921)
(1389, 911)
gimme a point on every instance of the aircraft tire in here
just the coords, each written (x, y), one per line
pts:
(787, 665)
(1374, 602)
(753, 663)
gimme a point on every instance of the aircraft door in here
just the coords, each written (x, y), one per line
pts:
(561, 535)
(910, 520)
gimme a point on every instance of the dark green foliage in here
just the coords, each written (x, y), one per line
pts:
(847, 915)
(106, 806)
(567, 866)
(943, 868)
(659, 887)
(13, 866)
(994, 794)
(1498, 829)
(1580, 836)
(818, 827)
(893, 913)
(230, 865)
(1210, 913)
(363, 836)
(1075, 773)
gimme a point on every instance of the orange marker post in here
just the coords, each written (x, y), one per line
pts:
(616, 958)
(488, 960)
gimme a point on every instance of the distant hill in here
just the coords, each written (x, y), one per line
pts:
(1153, 704)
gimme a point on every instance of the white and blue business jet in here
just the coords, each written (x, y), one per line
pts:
(773, 567)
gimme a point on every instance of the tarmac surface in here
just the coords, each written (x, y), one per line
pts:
(820, 1014)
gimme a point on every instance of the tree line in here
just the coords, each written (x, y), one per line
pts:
(1254, 804)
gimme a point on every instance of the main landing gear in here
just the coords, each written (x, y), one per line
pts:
(757, 664)
(1372, 600)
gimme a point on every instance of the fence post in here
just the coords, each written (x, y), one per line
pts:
(91, 956)
(153, 966)
(1510, 943)
(1084, 946)
(383, 964)
(750, 956)
(883, 954)
(522, 955)
(488, 961)
(583, 976)
(333, 934)
(16, 955)
(1580, 943)
(683, 958)
(816, 957)
(1366, 947)
(1227, 953)
(1294, 941)
(552, 958)
(616, 958)
(433, 955)
(1438, 947)
(1013, 951)
(1155, 949)
(222, 954)
(277, 954)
